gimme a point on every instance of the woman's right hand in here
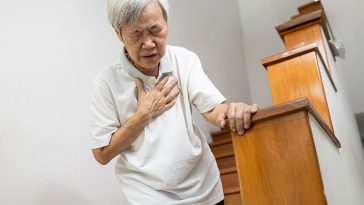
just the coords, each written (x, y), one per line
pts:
(158, 100)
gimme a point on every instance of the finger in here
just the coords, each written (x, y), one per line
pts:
(247, 117)
(254, 108)
(172, 95)
(162, 83)
(169, 105)
(169, 87)
(239, 120)
(221, 120)
(140, 87)
(231, 117)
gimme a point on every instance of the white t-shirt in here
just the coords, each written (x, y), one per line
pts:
(170, 162)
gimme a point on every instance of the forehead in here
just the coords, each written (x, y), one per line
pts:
(151, 15)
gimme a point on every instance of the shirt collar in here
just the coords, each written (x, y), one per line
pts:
(165, 66)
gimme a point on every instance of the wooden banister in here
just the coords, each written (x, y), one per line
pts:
(275, 161)
(297, 74)
(286, 55)
(291, 155)
(302, 104)
(276, 158)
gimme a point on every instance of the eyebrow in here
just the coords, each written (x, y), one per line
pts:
(154, 26)
(138, 30)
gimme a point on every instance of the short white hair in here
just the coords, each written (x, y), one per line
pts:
(123, 12)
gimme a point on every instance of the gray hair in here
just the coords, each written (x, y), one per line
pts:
(123, 12)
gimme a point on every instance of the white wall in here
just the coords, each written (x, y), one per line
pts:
(347, 22)
(260, 40)
(350, 158)
(50, 51)
(211, 28)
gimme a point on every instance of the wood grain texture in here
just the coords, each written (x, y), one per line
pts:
(230, 183)
(296, 78)
(220, 137)
(302, 104)
(283, 56)
(226, 164)
(232, 199)
(298, 21)
(307, 35)
(224, 150)
(277, 163)
(310, 7)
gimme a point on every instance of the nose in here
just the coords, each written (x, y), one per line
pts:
(148, 42)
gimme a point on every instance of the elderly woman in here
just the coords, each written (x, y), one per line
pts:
(142, 113)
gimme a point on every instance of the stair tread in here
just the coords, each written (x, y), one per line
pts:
(232, 190)
(230, 182)
(220, 142)
(228, 170)
(218, 133)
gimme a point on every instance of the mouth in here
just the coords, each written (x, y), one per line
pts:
(150, 57)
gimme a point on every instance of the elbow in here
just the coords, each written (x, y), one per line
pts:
(102, 161)
(100, 157)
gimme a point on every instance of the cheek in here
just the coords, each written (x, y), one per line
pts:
(161, 43)
(132, 49)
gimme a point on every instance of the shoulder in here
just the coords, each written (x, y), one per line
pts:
(107, 74)
(180, 52)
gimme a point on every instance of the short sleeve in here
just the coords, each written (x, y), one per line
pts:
(104, 116)
(202, 92)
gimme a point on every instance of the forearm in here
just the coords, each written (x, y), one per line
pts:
(122, 138)
(212, 115)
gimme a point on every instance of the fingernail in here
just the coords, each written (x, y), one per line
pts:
(241, 133)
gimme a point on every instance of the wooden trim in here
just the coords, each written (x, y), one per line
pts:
(309, 7)
(302, 104)
(219, 132)
(228, 170)
(286, 55)
(225, 141)
(302, 26)
(224, 155)
(312, 47)
(299, 20)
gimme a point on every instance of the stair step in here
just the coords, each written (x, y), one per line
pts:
(224, 150)
(230, 183)
(220, 136)
(226, 164)
(232, 199)
(220, 142)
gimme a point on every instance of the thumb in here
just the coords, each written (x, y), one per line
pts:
(221, 120)
(140, 87)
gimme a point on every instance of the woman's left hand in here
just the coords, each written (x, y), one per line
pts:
(239, 117)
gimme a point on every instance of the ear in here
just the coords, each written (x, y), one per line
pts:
(119, 35)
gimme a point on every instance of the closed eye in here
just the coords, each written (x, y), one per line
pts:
(155, 30)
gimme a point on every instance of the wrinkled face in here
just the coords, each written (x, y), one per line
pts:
(145, 40)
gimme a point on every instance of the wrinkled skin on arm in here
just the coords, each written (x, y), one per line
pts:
(236, 115)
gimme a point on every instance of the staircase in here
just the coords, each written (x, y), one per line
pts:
(306, 148)
(222, 148)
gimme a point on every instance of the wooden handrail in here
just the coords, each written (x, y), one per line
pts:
(298, 21)
(286, 55)
(292, 107)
